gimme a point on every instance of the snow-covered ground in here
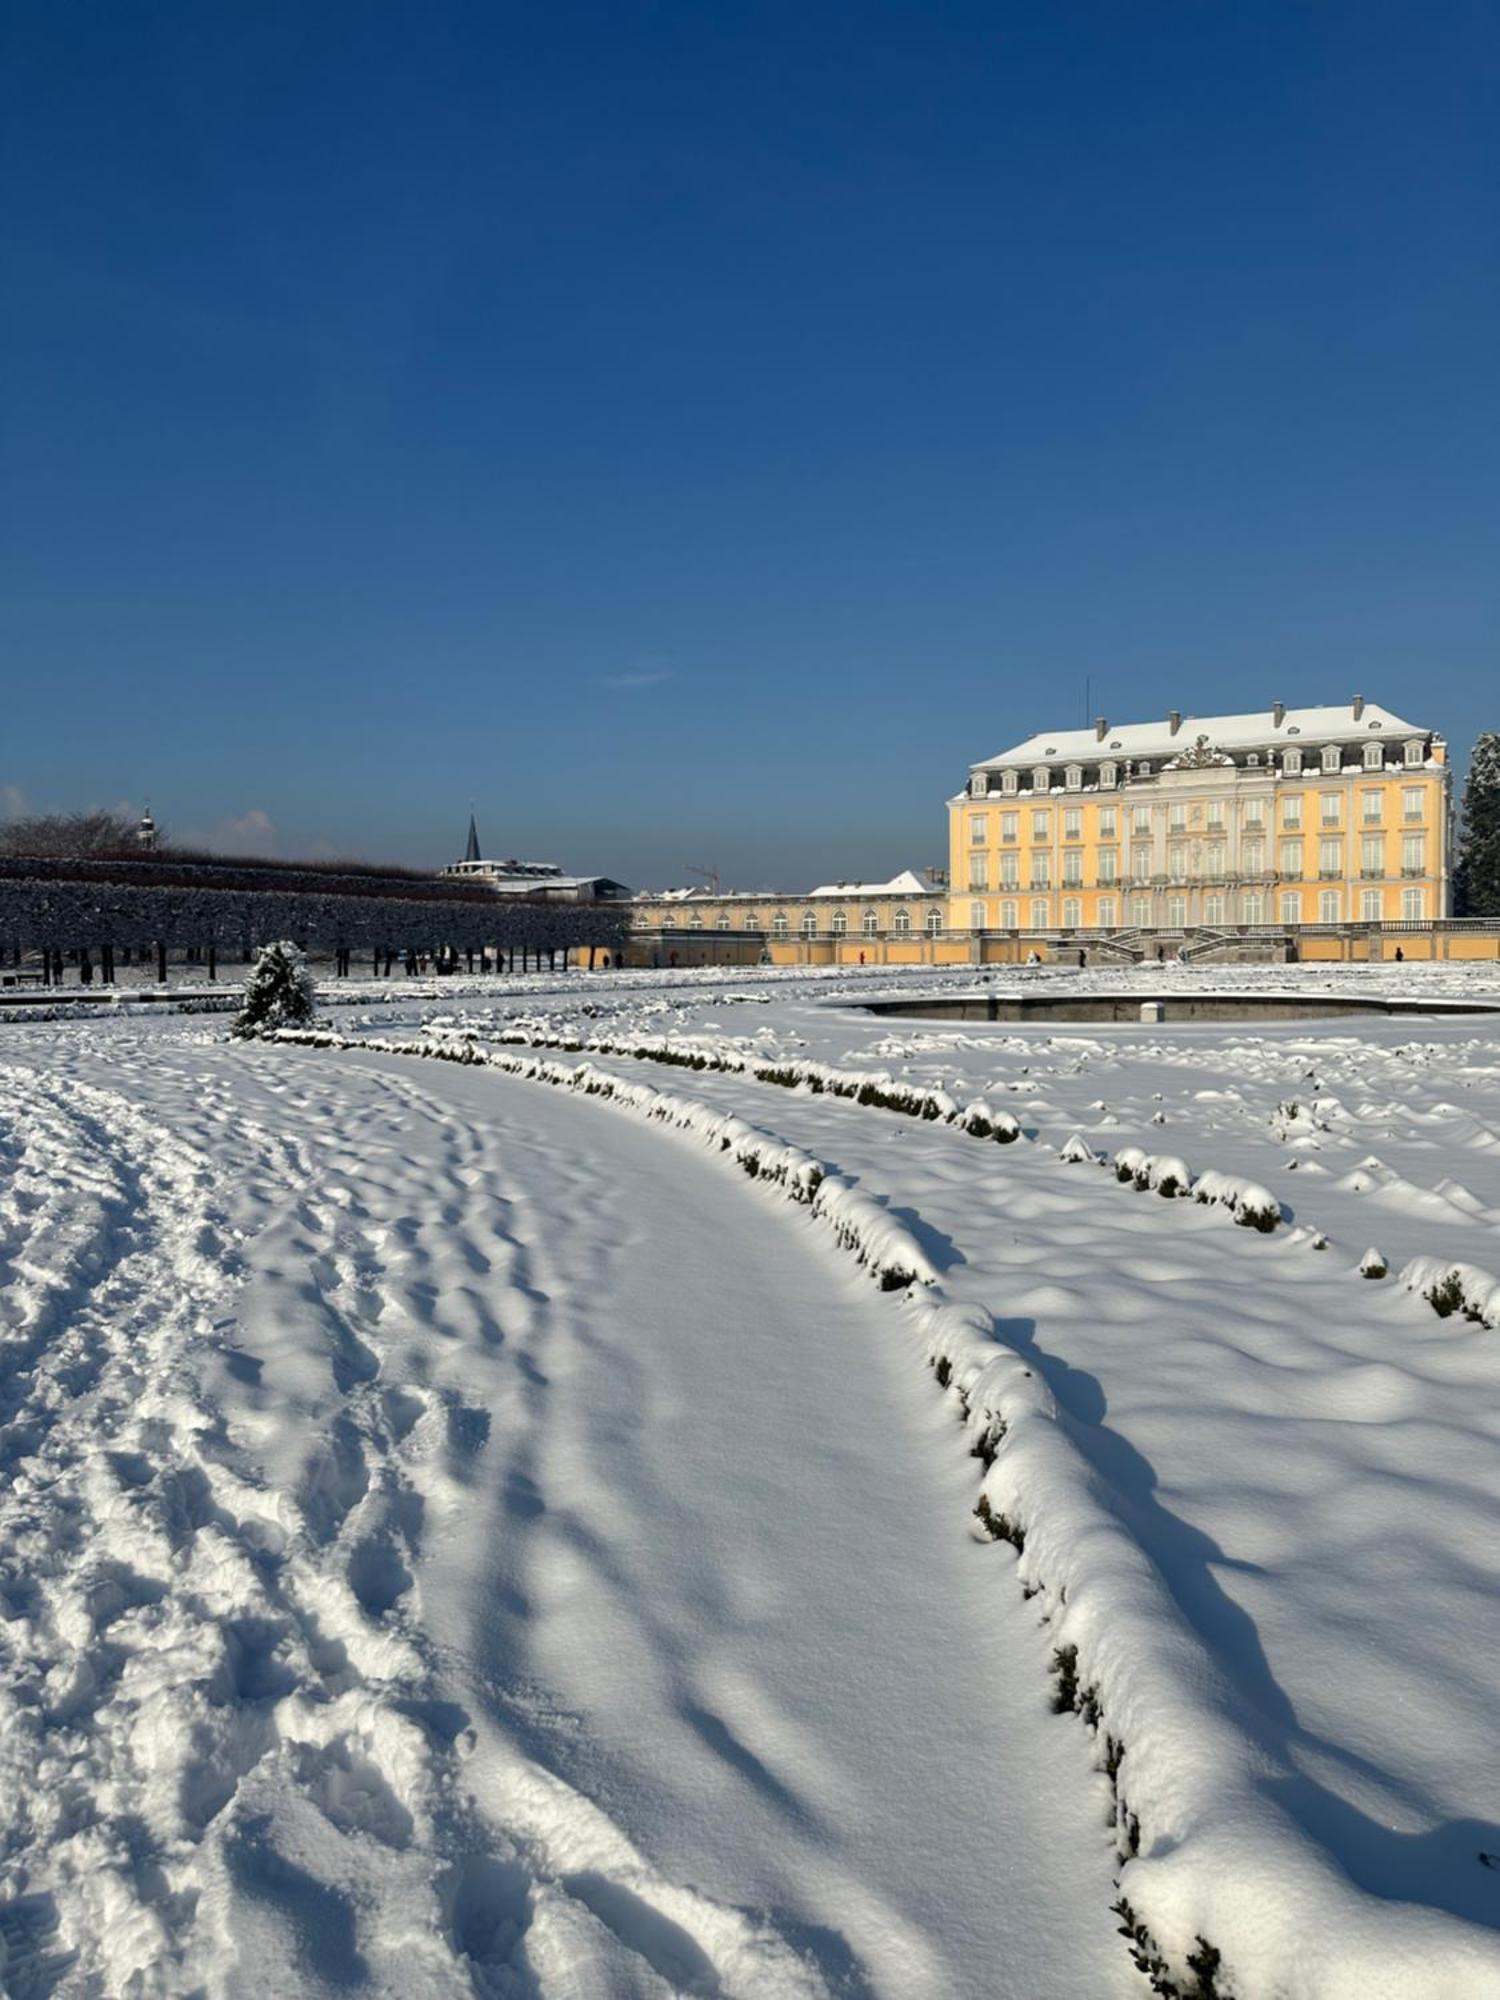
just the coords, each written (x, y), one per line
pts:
(462, 1533)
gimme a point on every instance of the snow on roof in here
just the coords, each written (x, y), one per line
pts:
(907, 883)
(1348, 721)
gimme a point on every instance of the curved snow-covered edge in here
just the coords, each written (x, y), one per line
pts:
(870, 1087)
(860, 1224)
(1222, 1893)
(1449, 1288)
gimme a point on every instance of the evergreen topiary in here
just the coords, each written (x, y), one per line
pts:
(1477, 877)
(279, 993)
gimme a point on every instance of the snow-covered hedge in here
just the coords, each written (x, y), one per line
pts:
(1454, 1288)
(1252, 1205)
(886, 1247)
(877, 1088)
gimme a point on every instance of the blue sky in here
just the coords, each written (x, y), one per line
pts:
(695, 432)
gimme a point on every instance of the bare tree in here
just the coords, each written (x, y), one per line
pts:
(70, 836)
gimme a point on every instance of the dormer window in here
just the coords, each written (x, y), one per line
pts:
(1107, 777)
(1253, 759)
(1041, 779)
(1414, 752)
(1330, 756)
(1291, 762)
(1073, 777)
(1143, 769)
(979, 784)
(1008, 781)
(1374, 756)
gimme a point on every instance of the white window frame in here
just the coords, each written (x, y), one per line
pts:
(1010, 916)
(1374, 756)
(1412, 753)
(1041, 778)
(1413, 905)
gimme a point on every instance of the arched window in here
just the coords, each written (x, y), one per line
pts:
(750, 921)
(869, 923)
(695, 922)
(1010, 916)
(779, 924)
(976, 916)
(901, 921)
(934, 922)
(809, 923)
(1039, 915)
(840, 923)
(722, 922)
(1072, 913)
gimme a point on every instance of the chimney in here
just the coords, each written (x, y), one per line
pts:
(1175, 718)
(1358, 706)
(1101, 729)
(1278, 714)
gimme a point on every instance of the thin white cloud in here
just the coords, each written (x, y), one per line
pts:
(14, 803)
(249, 832)
(628, 683)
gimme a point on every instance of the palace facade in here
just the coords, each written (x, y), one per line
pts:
(1284, 818)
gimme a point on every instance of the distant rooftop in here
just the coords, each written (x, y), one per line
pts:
(1346, 722)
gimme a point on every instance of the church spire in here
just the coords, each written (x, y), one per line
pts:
(471, 852)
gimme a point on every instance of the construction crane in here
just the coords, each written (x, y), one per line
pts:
(710, 876)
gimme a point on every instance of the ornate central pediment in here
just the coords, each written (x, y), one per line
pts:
(1199, 756)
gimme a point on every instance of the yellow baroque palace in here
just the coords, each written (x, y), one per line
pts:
(1284, 818)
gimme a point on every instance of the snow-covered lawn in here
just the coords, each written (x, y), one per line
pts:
(473, 1525)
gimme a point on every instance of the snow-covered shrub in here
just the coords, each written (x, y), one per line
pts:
(280, 993)
(1078, 1152)
(1251, 1205)
(1454, 1288)
(1373, 1264)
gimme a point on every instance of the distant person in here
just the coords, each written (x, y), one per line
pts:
(1400, 956)
(86, 970)
(1083, 957)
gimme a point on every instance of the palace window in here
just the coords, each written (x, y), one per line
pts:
(1041, 778)
(1330, 756)
(721, 922)
(1010, 916)
(1413, 853)
(1374, 756)
(869, 923)
(934, 922)
(1010, 868)
(1329, 804)
(1253, 907)
(1109, 862)
(1372, 854)
(1072, 913)
(1039, 915)
(901, 921)
(1041, 825)
(1291, 762)
(1213, 909)
(978, 827)
(1411, 802)
(1328, 906)
(1255, 857)
(1413, 905)
(1107, 775)
(1330, 857)
(1291, 909)
(1106, 912)
(1106, 822)
(1255, 813)
(1008, 781)
(1369, 906)
(1176, 912)
(779, 924)
(1371, 805)
(979, 784)
(976, 916)
(1140, 909)
(809, 923)
(1073, 823)
(1177, 861)
(1290, 861)
(840, 924)
(1177, 818)
(1073, 867)
(1041, 871)
(695, 922)
(1414, 752)
(1073, 777)
(1010, 826)
(1291, 810)
(979, 873)
(1141, 820)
